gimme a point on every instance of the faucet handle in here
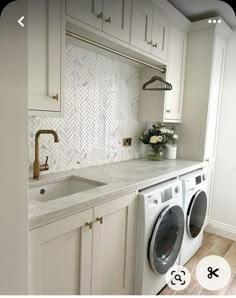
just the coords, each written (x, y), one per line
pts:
(44, 167)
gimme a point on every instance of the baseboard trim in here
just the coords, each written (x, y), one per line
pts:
(221, 229)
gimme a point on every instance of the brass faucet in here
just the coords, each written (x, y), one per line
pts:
(37, 166)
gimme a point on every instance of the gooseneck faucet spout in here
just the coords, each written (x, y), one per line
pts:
(37, 167)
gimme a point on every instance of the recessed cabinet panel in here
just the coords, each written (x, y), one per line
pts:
(45, 55)
(215, 98)
(60, 257)
(175, 75)
(141, 32)
(160, 31)
(86, 11)
(113, 247)
(117, 18)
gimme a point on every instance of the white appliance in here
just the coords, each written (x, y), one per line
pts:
(194, 187)
(160, 229)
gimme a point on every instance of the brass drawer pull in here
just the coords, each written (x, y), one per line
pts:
(89, 224)
(100, 219)
(167, 111)
(100, 15)
(150, 42)
(155, 45)
(108, 20)
(56, 97)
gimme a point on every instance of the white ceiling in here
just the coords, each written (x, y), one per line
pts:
(196, 10)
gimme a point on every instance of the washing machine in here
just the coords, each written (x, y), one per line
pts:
(160, 230)
(194, 186)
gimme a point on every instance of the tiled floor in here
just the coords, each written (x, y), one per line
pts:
(212, 245)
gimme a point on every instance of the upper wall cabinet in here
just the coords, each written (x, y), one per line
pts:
(166, 106)
(160, 31)
(111, 17)
(149, 29)
(175, 75)
(45, 56)
(86, 11)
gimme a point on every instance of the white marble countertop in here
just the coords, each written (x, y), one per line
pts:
(119, 178)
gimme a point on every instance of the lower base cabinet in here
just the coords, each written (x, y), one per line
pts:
(87, 253)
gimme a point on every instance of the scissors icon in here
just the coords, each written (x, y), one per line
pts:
(212, 272)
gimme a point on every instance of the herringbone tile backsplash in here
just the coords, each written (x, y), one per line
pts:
(101, 108)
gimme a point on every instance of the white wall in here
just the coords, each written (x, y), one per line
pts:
(13, 152)
(224, 196)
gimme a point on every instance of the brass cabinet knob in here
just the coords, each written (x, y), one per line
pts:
(167, 111)
(155, 45)
(100, 15)
(150, 42)
(56, 97)
(89, 224)
(108, 20)
(100, 219)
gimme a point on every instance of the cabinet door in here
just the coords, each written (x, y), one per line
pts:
(210, 186)
(175, 75)
(160, 32)
(45, 54)
(86, 11)
(117, 18)
(60, 257)
(215, 99)
(141, 32)
(113, 236)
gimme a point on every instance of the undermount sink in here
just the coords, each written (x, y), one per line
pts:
(62, 188)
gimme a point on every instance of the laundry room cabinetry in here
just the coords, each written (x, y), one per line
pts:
(150, 29)
(111, 17)
(45, 57)
(166, 106)
(87, 253)
(203, 88)
(210, 171)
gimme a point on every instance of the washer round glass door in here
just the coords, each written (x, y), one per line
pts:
(196, 213)
(166, 239)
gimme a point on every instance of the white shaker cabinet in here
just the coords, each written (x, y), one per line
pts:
(175, 75)
(141, 32)
(166, 106)
(86, 11)
(113, 239)
(117, 18)
(160, 35)
(60, 257)
(111, 17)
(150, 29)
(214, 99)
(203, 88)
(87, 253)
(210, 170)
(45, 56)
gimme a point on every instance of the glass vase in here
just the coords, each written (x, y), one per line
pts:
(156, 154)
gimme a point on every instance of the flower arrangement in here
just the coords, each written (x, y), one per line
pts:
(158, 137)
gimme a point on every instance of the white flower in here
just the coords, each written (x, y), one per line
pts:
(175, 137)
(160, 138)
(146, 132)
(154, 140)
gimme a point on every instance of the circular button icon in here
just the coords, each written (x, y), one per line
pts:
(213, 273)
(178, 278)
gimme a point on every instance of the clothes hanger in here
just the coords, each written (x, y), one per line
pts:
(167, 87)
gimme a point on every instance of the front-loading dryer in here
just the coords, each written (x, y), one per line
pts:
(195, 204)
(160, 229)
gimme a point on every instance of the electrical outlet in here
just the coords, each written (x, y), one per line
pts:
(127, 142)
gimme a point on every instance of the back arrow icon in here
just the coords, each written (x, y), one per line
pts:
(20, 21)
